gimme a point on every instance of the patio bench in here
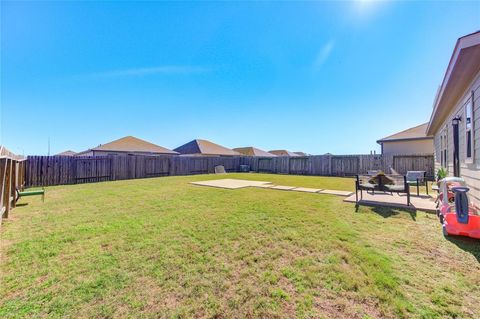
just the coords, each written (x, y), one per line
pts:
(399, 185)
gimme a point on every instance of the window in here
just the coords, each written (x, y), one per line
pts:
(443, 148)
(468, 131)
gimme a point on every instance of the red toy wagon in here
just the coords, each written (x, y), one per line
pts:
(457, 215)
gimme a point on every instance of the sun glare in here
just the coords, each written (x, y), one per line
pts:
(364, 8)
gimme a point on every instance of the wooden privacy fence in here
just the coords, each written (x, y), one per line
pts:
(12, 177)
(59, 170)
(341, 165)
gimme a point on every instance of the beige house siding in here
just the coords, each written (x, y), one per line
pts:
(469, 171)
(408, 147)
(86, 153)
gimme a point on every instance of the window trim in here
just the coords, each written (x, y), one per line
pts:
(441, 148)
(469, 130)
(444, 148)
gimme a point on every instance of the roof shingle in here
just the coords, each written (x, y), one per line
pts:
(133, 144)
(253, 151)
(67, 153)
(413, 133)
(204, 147)
(283, 153)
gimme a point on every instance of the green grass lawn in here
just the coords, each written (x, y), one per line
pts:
(161, 247)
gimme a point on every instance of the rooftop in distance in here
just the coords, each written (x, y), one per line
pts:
(413, 133)
(67, 153)
(253, 151)
(204, 148)
(283, 153)
(130, 144)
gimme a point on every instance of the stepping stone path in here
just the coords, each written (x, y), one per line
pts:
(333, 192)
(306, 190)
(229, 183)
(264, 186)
(283, 188)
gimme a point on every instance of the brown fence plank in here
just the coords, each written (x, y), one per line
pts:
(12, 177)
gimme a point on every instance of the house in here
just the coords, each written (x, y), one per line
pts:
(128, 145)
(253, 151)
(301, 153)
(455, 119)
(204, 148)
(410, 141)
(66, 153)
(283, 153)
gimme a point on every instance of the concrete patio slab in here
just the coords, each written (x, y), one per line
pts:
(306, 190)
(335, 192)
(423, 203)
(228, 183)
(283, 188)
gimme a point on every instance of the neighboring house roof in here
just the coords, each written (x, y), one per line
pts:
(413, 133)
(301, 153)
(283, 153)
(131, 144)
(462, 68)
(205, 148)
(66, 153)
(253, 151)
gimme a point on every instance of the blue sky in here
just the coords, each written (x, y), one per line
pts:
(305, 76)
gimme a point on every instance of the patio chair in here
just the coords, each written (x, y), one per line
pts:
(220, 169)
(417, 178)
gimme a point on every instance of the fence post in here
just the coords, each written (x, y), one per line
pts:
(171, 166)
(8, 188)
(13, 187)
(3, 181)
(360, 165)
(330, 165)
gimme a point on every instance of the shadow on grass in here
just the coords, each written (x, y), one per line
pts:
(467, 244)
(387, 212)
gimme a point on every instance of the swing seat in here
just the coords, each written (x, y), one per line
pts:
(31, 193)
